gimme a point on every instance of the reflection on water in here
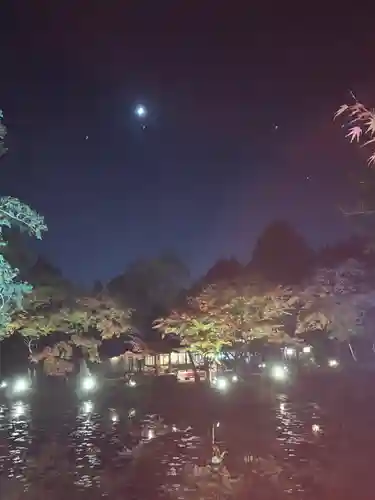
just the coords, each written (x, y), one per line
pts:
(288, 441)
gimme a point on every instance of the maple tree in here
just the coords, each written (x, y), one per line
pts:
(83, 321)
(225, 314)
(338, 301)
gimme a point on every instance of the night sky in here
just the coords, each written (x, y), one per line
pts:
(239, 129)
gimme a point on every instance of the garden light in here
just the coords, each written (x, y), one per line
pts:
(306, 349)
(234, 378)
(88, 384)
(290, 351)
(222, 384)
(333, 363)
(279, 372)
(21, 385)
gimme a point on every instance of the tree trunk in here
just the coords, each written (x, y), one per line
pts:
(352, 352)
(157, 364)
(196, 375)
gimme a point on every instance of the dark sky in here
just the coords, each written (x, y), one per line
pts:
(210, 170)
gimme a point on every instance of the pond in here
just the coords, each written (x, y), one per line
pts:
(314, 439)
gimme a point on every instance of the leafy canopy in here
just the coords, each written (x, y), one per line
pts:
(13, 213)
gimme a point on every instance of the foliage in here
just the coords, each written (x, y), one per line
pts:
(150, 287)
(361, 125)
(14, 213)
(281, 255)
(337, 300)
(87, 321)
(224, 314)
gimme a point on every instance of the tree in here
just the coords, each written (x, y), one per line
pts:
(150, 287)
(360, 126)
(223, 270)
(281, 255)
(225, 314)
(14, 214)
(84, 321)
(337, 301)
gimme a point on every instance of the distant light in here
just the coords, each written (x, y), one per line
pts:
(279, 372)
(174, 428)
(141, 111)
(234, 378)
(114, 417)
(333, 363)
(3, 385)
(217, 424)
(222, 383)
(307, 349)
(290, 351)
(20, 385)
(88, 383)
(132, 383)
(150, 434)
(262, 365)
(282, 407)
(315, 428)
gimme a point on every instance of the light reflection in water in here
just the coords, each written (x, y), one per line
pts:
(94, 444)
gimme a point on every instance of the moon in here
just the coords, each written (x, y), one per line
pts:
(140, 111)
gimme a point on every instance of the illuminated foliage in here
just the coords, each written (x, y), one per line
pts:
(225, 314)
(337, 301)
(86, 321)
(14, 214)
(361, 125)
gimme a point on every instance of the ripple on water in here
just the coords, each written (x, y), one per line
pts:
(290, 439)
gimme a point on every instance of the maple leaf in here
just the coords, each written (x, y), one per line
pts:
(341, 110)
(370, 124)
(371, 160)
(368, 142)
(354, 133)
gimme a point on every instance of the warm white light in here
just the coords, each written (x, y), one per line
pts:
(88, 406)
(20, 385)
(114, 417)
(234, 378)
(306, 349)
(315, 428)
(222, 383)
(174, 428)
(140, 111)
(132, 383)
(150, 434)
(18, 410)
(262, 365)
(333, 363)
(279, 372)
(290, 351)
(88, 383)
